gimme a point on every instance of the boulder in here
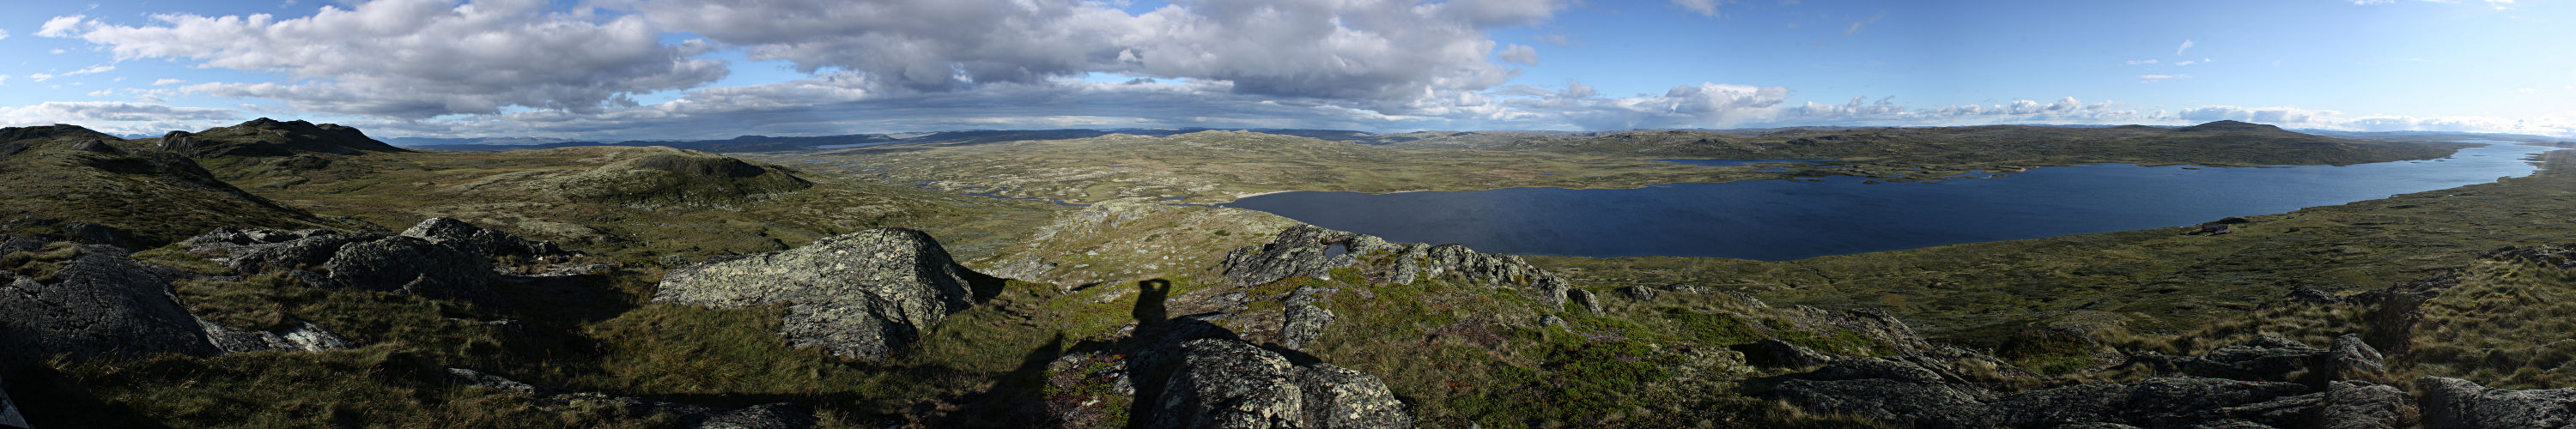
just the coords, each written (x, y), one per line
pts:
(1222, 383)
(2360, 405)
(410, 265)
(486, 242)
(9, 415)
(1302, 321)
(860, 295)
(2456, 403)
(1583, 299)
(97, 302)
(2352, 358)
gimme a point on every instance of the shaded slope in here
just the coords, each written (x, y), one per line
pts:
(269, 137)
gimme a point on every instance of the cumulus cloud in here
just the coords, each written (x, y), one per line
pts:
(93, 113)
(1703, 7)
(1356, 49)
(4, 34)
(419, 58)
(165, 82)
(1520, 54)
(2152, 78)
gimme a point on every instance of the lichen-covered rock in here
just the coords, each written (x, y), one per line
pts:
(2352, 358)
(486, 242)
(860, 295)
(1225, 383)
(2359, 405)
(1308, 250)
(9, 415)
(1338, 398)
(2456, 403)
(97, 302)
(1303, 320)
(410, 265)
(1230, 384)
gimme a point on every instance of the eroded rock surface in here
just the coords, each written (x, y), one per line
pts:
(860, 295)
(467, 237)
(1222, 383)
(439, 258)
(2456, 403)
(95, 302)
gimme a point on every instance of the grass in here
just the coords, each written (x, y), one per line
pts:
(2154, 280)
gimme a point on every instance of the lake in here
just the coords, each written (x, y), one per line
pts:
(1785, 219)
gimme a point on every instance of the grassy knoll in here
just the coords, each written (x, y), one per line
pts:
(2148, 280)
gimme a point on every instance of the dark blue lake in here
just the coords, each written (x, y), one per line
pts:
(1782, 220)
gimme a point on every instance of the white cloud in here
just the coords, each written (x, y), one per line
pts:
(61, 26)
(2137, 62)
(2186, 45)
(2527, 90)
(420, 58)
(2152, 78)
(1520, 54)
(2373, 1)
(106, 114)
(1703, 7)
(1389, 50)
(1856, 25)
(163, 82)
(4, 34)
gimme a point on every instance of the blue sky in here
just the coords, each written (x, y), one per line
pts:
(614, 69)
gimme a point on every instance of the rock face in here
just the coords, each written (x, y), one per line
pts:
(1313, 251)
(781, 415)
(9, 415)
(861, 295)
(305, 336)
(2456, 403)
(96, 302)
(1222, 383)
(467, 237)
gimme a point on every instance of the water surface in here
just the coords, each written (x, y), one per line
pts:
(1781, 219)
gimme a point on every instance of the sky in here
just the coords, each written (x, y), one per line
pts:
(671, 69)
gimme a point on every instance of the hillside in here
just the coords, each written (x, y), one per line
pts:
(66, 180)
(617, 286)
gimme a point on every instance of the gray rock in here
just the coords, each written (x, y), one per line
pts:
(413, 266)
(304, 336)
(1223, 383)
(1303, 321)
(1640, 293)
(861, 295)
(9, 415)
(486, 242)
(98, 303)
(259, 255)
(1230, 384)
(1338, 398)
(2359, 405)
(1307, 250)
(2456, 403)
(2352, 358)
(1583, 299)
(1777, 353)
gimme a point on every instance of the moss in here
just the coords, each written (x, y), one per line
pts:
(1717, 329)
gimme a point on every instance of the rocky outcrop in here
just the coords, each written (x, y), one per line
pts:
(489, 243)
(304, 336)
(2275, 359)
(1224, 383)
(1308, 250)
(781, 415)
(363, 260)
(91, 301)
(861, 295)
(2456, 403)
